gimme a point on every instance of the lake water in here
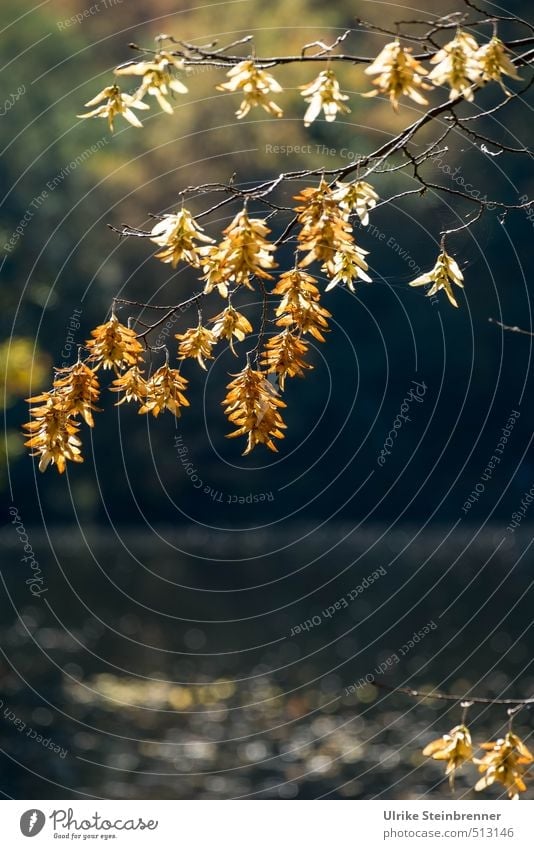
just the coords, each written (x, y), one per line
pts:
(191, 664)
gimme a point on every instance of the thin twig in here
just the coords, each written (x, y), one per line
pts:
(514, 329)
(449, 697)
(465, 226)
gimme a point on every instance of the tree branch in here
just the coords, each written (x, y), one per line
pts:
(448, 697)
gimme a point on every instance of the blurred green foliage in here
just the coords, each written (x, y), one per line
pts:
(23, 369)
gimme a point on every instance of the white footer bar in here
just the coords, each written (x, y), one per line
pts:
(264, 824)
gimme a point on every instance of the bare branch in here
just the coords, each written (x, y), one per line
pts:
(514, 329)
(448, 697)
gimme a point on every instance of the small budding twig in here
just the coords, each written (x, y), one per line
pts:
(516, 704)
(514, 329)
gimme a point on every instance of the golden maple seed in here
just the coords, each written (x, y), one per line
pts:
(397, 73)
(358, 197)
(284, 356)
(230, 323)
(164, 391)
(506, 761)
(158, 80)
(196, 343)
(178, 235)
(457, 65)
(495, 62)
(132, 383)
(117, 103)
(300, 308)
(445, 272)
(455, 748)
(53, 432)
(216, 273)
(255, 85)
(252, 403)
(114, 346)
(299, 289)
(326, 228)
(347, 266)
(244, 253)
(324, 93)
(316, 201)
(78, 388)
(311, 319)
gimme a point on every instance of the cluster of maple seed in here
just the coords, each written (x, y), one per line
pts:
(243, 255)
(505, 761)
(461, 64)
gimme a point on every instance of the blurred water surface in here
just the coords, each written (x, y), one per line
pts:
(190, 665)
